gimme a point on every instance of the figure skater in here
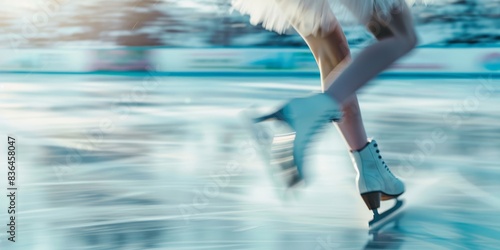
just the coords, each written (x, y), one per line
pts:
(390, 21)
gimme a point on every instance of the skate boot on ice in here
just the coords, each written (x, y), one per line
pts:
(306, 116)
(375, 180)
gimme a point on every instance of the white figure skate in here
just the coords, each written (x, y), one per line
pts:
(375, 181)
(306, 116)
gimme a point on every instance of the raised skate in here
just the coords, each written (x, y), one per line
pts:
(305, 116)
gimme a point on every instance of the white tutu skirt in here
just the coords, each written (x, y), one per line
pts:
(312, 17)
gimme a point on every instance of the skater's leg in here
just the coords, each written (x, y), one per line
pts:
(332, 54)
(396, 38)
(351, 126)
(377, 57)
(306, 115)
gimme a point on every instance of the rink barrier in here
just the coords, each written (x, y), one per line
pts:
(235, 62)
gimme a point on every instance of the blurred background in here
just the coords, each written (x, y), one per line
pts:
(128, 117)
(211, 23)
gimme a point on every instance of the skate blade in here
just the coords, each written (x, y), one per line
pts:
(263, 136)
(282, 169)
(277, 115)
(276, 151)
(381, 220)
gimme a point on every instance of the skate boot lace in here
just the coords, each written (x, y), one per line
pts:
(383, 162)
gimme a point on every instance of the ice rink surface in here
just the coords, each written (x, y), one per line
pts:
(143, 162)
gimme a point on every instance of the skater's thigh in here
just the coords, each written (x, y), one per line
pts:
(309, 18)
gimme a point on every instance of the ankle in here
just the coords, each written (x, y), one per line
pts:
(360, 147)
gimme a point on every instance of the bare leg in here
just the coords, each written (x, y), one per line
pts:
(351, 126)
(332, 54)
(377, 57)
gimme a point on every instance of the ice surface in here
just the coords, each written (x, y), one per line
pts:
(115, 162)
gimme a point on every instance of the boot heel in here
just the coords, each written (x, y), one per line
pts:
(372, 200)
(278, 115)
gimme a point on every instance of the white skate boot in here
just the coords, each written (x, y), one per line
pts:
(375, 180)
(306, 116)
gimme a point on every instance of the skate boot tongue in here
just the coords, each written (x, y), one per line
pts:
(379, 156)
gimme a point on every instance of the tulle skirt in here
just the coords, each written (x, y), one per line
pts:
(313, 17)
